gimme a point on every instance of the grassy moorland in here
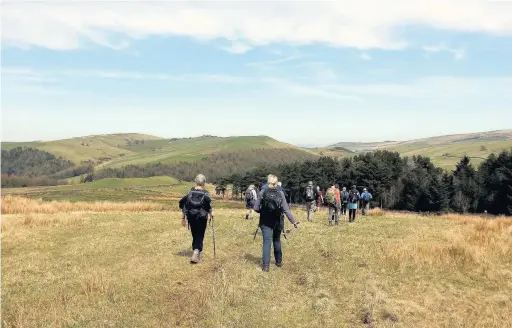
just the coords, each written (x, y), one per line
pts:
(126, 265)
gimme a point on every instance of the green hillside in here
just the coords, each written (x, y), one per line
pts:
(445, 151)
(191, 149)
(95, 148)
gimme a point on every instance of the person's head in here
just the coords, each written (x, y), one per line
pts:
(364, 189)
(310, 184)
(344, 188)
(318, 188)
(251, 186)
(272, 181)
(337, 186)
(200, 180)
(354, 187)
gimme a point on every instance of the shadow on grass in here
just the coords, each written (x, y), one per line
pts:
(252, 258)
(185, 253)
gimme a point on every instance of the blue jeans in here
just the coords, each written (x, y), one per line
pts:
(271, 235)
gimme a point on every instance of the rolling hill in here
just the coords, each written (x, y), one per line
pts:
(445, 151)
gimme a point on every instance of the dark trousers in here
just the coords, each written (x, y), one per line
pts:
(198, 228)
(271, 235)
(344, 208)
(351, 215)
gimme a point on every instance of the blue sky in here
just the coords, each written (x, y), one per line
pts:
(301, 72)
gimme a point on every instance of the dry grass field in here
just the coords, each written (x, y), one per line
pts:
(127, 265)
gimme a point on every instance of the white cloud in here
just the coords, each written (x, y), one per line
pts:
(458, 53)
(237, 48)
(361, 24)
(365, 56)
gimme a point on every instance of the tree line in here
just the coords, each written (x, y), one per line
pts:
(413, 184)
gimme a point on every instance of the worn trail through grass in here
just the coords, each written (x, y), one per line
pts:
(129, 269)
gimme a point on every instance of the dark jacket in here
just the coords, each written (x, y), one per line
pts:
(269, 221)
(205, 208)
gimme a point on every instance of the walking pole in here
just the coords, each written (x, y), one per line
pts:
(213, 233)
(256, 232)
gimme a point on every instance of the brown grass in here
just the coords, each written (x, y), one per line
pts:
(21, 205)
(131, 269)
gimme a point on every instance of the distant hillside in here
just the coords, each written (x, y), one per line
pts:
(445, 151)
(95, 148)
(144, 155)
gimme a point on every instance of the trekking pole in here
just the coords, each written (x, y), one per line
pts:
(256, 232)
(213, 234)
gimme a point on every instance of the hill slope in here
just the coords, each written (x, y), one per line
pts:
(445, 151)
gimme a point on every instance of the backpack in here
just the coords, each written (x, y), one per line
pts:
(249, 195)
(310, 194)
(271, 202)
(330, 198)
(194, 204)
(353, 196)
(344, 196)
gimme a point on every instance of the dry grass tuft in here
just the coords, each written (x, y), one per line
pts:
(21, 205)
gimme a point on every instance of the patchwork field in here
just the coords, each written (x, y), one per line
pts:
(126, 264)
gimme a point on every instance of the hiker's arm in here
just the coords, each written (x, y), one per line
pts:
(286, 209)
(207, 205)
(182, 206)
(257, 203)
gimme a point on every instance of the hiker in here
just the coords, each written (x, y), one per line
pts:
(366, 197)
(195, 207)
(250, 199)
(271, 204)
(338, 202)
(344, 201)
(310, 195)
(320, 198)
(353, 199)
(332, 202)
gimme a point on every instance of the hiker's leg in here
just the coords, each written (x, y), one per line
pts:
(267, 244)
(200, 229)
(308, 211)
(337, 215)
(276, 240)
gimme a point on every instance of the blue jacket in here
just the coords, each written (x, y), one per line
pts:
(366, 196)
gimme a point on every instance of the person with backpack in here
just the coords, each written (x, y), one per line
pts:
(310, 196)
(320, 198)
(366, 197)
(271, 204)
(353, 200)
(332, 202)
(195, 207)
(250, 199)
(344, 201)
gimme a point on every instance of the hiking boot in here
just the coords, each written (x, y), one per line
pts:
(247, 216)
(280, 264)
(265, 268)
(195, 256)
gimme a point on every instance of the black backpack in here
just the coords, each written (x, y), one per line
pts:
(353, 196)
(271, 202)
(310, 194)
(194, 204)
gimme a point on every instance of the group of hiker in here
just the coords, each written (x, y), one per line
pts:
(271, 204)
(337, 202)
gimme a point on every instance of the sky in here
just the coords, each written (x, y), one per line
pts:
(303, 72)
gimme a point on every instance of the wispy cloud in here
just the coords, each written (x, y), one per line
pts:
(56, 75)
(65, 25)
(237, 48)
(458, 53)
(365, 56)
